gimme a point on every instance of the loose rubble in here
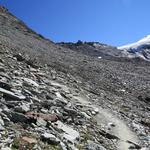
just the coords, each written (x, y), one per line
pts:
(47, 113)
(40, 112)
(43, 108)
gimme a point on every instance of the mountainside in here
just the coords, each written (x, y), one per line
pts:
(138, 49)
(69, 96)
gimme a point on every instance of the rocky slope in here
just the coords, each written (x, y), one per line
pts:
(69, 96)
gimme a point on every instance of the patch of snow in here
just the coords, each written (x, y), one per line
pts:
(139, 49)
(144, 41)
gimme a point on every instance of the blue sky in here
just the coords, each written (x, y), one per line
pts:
(115, 22)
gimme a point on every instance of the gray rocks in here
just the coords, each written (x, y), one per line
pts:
(93, 146)
(69, 133)
(16, 117)
(6, 148)
(29, 82)
(1, 124)
(50, 138)
(23, 108)
(41, 122)
(12, 95)
(19, 57)
(1, 121)
(49, 88)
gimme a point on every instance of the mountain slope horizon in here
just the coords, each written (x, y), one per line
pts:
(89, 88)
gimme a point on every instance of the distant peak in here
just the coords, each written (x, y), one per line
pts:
(143, 41)
(148, 36)
(145, 38)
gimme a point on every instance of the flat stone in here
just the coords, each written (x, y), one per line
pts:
(40, 122)
(1, 121)
(63, 146)
(5, 85)
(69, 133)
(6, 148)
(1, 128)
(85, 115)
(30, 82)
(144, 148)
(61, 102)
(29, 140)
(96, 110)
(19, 57)
(23, 108)
(46, 117)
(70, 111)
(1, 124)
(16, 117)
(12, 95)
(44, 110)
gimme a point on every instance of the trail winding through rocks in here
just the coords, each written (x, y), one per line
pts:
(105, 117)
(121, 130)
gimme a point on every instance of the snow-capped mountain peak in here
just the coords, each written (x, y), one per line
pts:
(140, 48)
(143, 41)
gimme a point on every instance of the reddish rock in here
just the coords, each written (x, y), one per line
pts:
(29, 140)
(46, 117)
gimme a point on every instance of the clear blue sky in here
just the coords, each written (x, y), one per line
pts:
(114, 22)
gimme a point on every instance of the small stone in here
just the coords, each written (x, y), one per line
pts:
(50, 138)
(2, 74)
(147, 138)
(69, 133)
(96, 110)
(44, 110)
(1, 128)
(110, 125)
(29, 140)
(12, 95)
(144, 148)
(85, 115)
(19, 57)
(2, 69)
(61, 102)
(70, 111)
(41, 122)
(93, 113)
(93, 146)
(63, 146)
(1, 121)
(29, 82)
(6, 148)
(1, 124)
(23, 108)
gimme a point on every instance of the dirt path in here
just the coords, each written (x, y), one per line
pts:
(121, 130)
(105, 117)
